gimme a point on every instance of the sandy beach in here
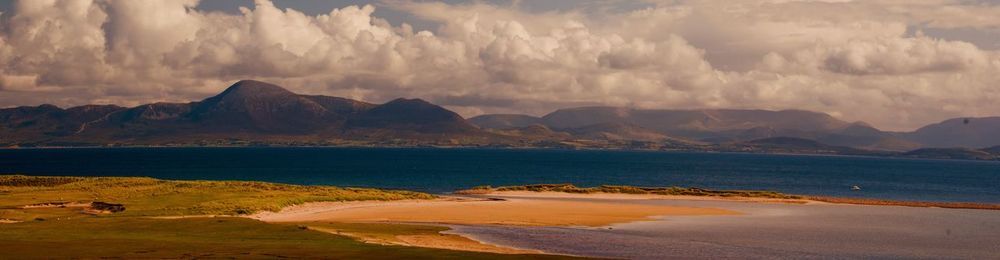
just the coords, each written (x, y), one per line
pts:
(484, 211)
(477, 211)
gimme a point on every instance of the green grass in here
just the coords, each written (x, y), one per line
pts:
(153, 197)
(133, 237)
(570, 188)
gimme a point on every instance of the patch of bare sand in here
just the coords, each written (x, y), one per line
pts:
(440, 241)
(514, 211)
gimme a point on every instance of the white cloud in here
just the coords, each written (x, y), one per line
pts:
(886, 56)
(851, 59)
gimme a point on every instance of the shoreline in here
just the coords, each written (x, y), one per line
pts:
(628, 196)
(610, 149)
(790, 198)
(803, 200)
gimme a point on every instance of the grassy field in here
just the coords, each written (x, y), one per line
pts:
(67, 232)
(153, 197)
(570, 188)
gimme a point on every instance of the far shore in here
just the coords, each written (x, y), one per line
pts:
(482, 146)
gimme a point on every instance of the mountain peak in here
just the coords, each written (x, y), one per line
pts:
(252, 88)
(246, 92)
(251, 104)
(416, 102)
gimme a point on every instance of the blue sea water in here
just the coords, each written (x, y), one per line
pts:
(445, 170)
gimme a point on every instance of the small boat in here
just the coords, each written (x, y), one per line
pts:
(855, 187)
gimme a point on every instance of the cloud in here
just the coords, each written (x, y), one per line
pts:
(856, 59)
(886, 56)
(904, 56)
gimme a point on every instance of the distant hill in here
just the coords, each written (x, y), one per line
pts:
(797, 146)
(49, 121)
(505, 121)
(412, 115)
(257, 106)
(616, 131)
(532, 134)
(952, 153)
(973, 132)
(246, 112)
(705, 122)
(993, 150)
(709, 125)
(736, 125)
(259, 113)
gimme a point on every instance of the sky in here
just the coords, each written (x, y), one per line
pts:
(896, 64)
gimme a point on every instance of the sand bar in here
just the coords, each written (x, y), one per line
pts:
(511, 211)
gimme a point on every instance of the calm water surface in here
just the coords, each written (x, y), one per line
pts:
(444, 170)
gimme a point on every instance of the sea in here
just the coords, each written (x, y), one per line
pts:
(443, 170)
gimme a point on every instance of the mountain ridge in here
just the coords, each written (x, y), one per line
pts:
(248, 111)
(252, 112)
(735, 125)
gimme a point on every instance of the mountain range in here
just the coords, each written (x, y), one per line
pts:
(734, 125)
(258, 113)
(245, 113)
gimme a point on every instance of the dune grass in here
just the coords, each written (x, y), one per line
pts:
(570, 188)
(153, 197)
